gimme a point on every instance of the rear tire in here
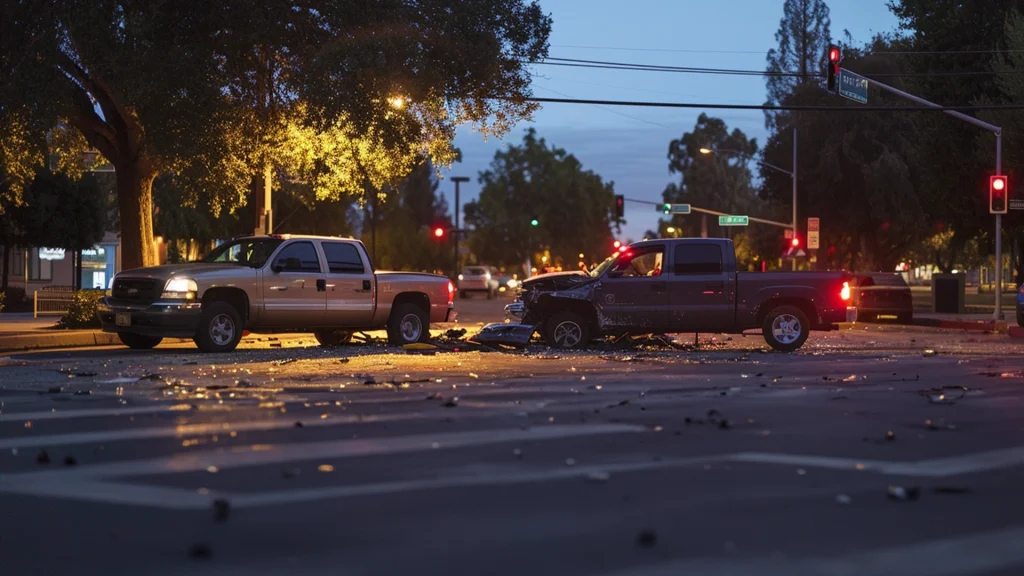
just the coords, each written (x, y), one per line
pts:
(408, 324)
(220, 328)
(332, 337)
(566, 330)
(139, 341)
(786, 328)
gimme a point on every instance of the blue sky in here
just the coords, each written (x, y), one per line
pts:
(628, 145)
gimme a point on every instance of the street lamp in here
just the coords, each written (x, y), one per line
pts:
(791, 173)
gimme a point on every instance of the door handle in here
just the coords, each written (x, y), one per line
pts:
(714, 288)
(279, 288)
(321, 285)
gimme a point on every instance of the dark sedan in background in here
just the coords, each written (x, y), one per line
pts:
(881, 296)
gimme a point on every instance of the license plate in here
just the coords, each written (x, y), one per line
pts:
(123, 319)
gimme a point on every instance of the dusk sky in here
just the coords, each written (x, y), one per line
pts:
(628, 145)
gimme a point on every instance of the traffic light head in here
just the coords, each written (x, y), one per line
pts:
(795, 242)
(620, 206)
(832, 68)
(666, 208)
(997, 195)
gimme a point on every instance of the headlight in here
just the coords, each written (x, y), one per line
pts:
(180, 289)
(511, 283)
(461, 277)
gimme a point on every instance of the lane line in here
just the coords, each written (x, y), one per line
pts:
(107, 492)
(261, 455)
(954, 556)
(934, 468)
(93, 412)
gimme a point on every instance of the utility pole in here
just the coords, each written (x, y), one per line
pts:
(457, 231)
(793, 175)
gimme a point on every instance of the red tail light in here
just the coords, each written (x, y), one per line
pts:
(451, 292)
(845, 292)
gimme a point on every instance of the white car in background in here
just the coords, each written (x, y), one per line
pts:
(478, 279)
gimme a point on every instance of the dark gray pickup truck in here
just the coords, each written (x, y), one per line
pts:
(678, 286)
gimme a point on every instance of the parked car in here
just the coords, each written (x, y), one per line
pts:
(275, 283)
(882, 296)
(678, 286)
(478, 279)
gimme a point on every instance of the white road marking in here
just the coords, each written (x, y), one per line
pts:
(960, 555)
(935, 468)
(187, 430)
(261, 455)
(92, 412)
(114, 493)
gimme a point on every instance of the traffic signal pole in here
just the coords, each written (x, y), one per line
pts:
(999, 170)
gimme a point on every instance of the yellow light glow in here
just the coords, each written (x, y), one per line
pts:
(706, 151)
(396, 102)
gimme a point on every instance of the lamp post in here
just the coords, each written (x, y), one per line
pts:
(791, 173)
(455, 234)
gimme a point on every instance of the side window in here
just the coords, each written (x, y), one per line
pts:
(641, 265)
(298, 257)
(343, 258)
(695, 259)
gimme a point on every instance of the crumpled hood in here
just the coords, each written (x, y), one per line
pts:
(556, 281)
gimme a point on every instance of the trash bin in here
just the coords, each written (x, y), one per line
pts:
(948, 293)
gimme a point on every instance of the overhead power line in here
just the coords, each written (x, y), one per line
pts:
(780, 108)
(762, 52)
(606, 65)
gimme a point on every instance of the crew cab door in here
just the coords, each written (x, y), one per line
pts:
(633, 295)
(701, 288)
(351, 289)
(294, 287)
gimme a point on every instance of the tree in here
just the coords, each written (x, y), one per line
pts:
(573, 207)
(856, 172)
(211, 91)
(803, 36)
(717, 179)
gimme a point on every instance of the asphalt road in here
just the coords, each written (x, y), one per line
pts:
(725, 459)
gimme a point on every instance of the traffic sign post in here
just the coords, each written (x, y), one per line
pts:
(733, 220)
(813, 233)
(1016, 203)
(853, 86)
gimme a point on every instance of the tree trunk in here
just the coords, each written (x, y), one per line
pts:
(5, 274)
(135, 208)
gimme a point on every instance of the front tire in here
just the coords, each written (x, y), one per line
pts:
(408, 324)
(220, 328)
(786, 328)
(332, 337)
(139, 341)
(566, 330)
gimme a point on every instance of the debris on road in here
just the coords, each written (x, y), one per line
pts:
(435, 396)
(951, 490)
(843, 499)
(646, 538)
(929, 353)
(598, 476)
(455, 333)
(570, 462)
(290, 472)
(70, 461)
(43, 457)
(286, 361)
(518, 453)
(904, 494)
(940, 425)
(83, 392)
(451, 402)
(221, 510)
(945, 394)
(298, 424)
(200, 552)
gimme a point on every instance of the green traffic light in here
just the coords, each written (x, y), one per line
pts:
(534, 222)
(667, 208)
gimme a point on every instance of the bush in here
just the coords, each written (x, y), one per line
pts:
(82, 310)
(13, 300)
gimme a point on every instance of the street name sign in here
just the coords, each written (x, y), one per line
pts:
(733, 220)
(853, 86)
(1016, 203)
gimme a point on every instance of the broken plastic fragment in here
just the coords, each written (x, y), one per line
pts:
(598, 476)
(904, 494)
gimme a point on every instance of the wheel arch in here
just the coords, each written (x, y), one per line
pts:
(235, 297)
(805, 306)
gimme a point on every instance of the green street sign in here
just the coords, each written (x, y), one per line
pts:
(733, 220)
(853, 86)
(674, 209)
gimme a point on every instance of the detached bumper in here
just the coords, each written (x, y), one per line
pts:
(164, 319)
(510, 334)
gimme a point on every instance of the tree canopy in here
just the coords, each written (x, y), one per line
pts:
(573, 207)
(803, 37)
(339, 94)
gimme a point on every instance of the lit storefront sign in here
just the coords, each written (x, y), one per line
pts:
(51, 253)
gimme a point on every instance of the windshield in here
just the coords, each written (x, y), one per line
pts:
(251, 252)
(603, 266)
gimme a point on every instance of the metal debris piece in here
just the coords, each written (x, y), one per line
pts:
(85, 374)
(151, 376)
(647, 538)
(455, 333)
(42, 457)
(451, 402)
(904, 494)
(286, 361)
(70, 461)
(221, 510)
(510, 334)
(55, 390)
(83, 392)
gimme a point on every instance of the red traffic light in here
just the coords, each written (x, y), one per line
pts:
(438, 232)
(833, 55)
(617, 244)
(795, 242)
(997, 194)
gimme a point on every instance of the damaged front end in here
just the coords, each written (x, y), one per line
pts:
(505, 334)
(535, 301)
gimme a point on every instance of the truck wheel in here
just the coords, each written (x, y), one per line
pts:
(220, 328)
(139, 341)
(566, 330)
(332, 337)
(786, 328)
(408, 324)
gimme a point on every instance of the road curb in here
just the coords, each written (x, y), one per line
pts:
(57, 340)
(975, 326)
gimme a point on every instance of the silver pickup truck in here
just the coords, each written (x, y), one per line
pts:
(676, 286)
(276, 283)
